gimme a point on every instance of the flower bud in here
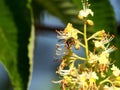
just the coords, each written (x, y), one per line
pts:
(77, 46)
(90, 22)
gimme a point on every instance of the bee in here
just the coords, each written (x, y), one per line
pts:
(69, 42)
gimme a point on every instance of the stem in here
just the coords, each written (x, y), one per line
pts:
(78, 57)
(85, 39)
(106, 80)
(82, 45)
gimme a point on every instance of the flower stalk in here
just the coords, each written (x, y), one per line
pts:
(85, 39)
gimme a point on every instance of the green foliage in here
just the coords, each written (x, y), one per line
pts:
(104, 17)
(15, 28)
(115, 55)
(67, 10)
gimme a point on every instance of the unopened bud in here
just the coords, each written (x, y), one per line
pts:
(90, 22)
(77, 46)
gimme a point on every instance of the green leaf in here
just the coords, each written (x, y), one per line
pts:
(116, 54)
(67, 11)
(103, 18)
(15, 29)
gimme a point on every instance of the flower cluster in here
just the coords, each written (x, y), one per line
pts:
(97, 72)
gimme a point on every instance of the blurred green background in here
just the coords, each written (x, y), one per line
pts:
(49, 16)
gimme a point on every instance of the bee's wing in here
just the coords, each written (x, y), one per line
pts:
(61, 40)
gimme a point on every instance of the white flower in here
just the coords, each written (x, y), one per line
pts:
(64, 72)
(111, 88)
(68, 32)
(111, 49)
(116, 71)
(90, 75)
(108, 88)
(93, 75)
(99, 44)
(107, 38)
(98, 35)
(82, 77)
(92, 57)
(104, 58)
(85, 13)
(61, 50)
(104, 39)
(56, 82)
(71, 71)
